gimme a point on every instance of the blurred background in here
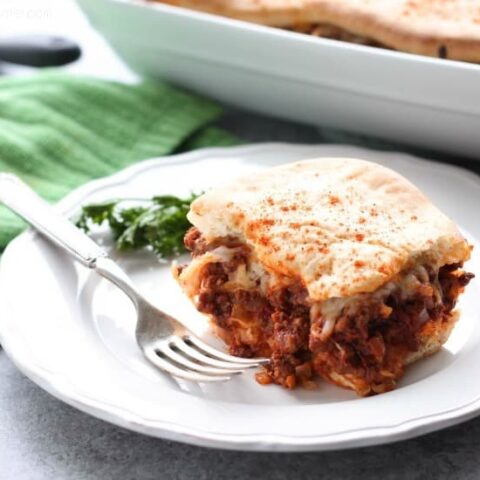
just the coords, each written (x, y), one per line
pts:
(51, 19)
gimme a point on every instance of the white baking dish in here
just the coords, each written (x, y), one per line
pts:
(418, 100)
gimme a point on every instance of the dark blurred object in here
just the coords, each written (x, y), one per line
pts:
(38, 50)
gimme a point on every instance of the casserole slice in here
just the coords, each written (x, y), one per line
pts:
(333, 267)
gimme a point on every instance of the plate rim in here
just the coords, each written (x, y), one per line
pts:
(57, 385)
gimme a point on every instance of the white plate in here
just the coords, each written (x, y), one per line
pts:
(383, 93)
(72, 332)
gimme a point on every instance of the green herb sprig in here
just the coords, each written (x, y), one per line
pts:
(159, 223)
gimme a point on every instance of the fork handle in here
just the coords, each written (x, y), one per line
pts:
(22, 200)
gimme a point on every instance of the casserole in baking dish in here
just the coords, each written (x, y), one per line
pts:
(408, 98)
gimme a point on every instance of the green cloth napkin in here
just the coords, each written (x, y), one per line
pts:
(58, 131)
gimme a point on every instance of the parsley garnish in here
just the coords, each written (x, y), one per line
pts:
(159, 223)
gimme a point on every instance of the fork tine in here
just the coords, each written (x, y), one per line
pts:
(186, 363)
(196, 342)
(195, 354)
(178, 372)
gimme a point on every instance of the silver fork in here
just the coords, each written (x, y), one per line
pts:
(164, 340)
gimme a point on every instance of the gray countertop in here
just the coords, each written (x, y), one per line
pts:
(41, 438)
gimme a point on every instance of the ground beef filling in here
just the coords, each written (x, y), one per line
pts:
(368, 346)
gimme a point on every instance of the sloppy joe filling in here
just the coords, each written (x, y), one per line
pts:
(361, 342)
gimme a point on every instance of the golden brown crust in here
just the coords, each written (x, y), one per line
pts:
(340, 226)
(438, 28)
